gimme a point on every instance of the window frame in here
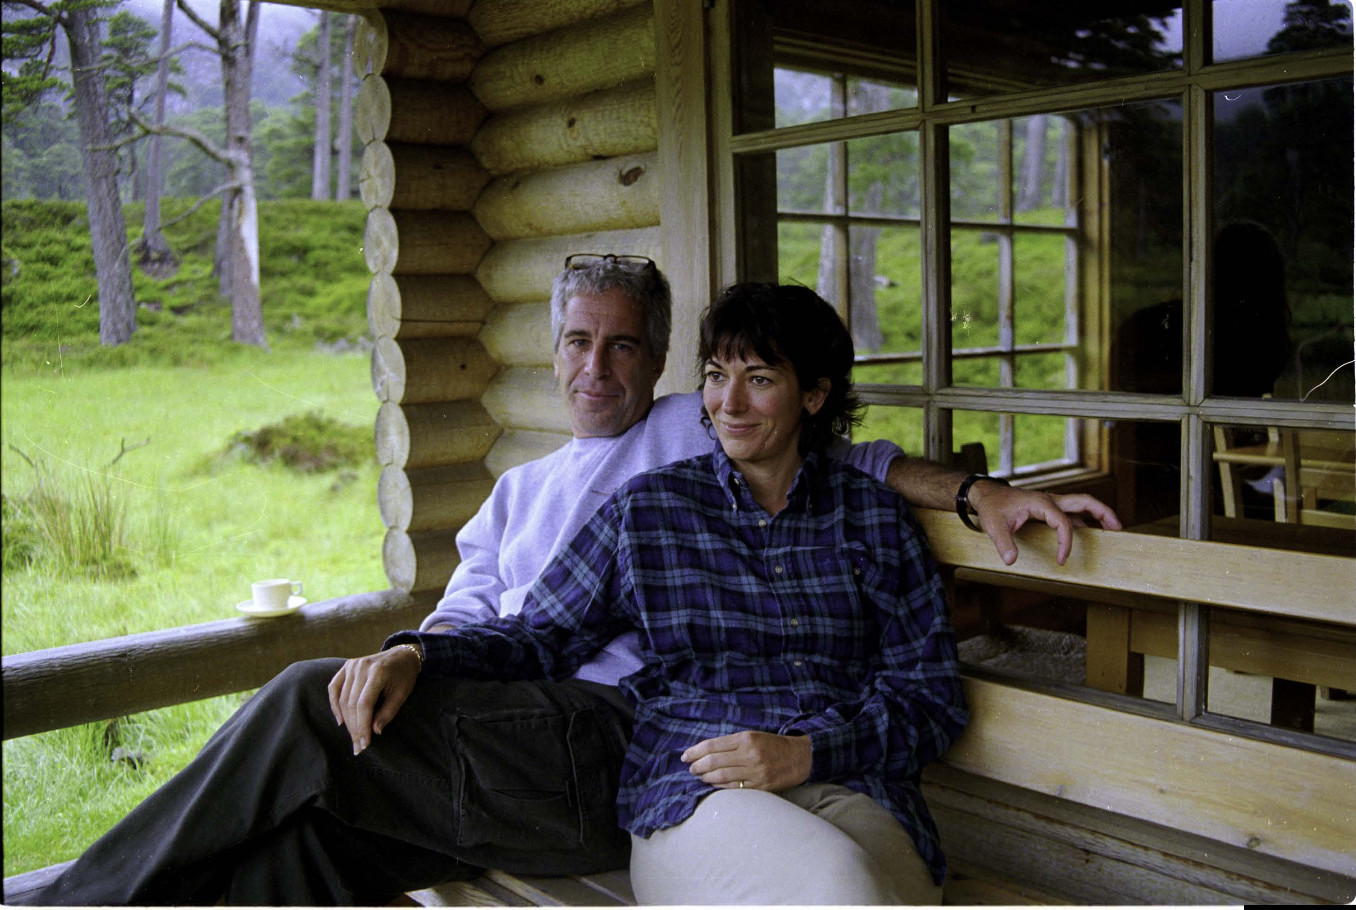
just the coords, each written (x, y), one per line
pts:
(738, 215)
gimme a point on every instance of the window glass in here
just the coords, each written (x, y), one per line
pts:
(1145, 460)
(883, 175)
(1292, 489)
(902, 426)
(802, 62)
(887, 289)
(995, 46)
(1018, 445)
(1043, 149)
(1290, 673)
(1257, 28)
(804, 179)
(1283, 264)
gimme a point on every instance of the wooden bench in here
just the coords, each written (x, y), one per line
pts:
(1133, 809)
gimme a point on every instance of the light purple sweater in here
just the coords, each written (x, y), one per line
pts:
(538, 507)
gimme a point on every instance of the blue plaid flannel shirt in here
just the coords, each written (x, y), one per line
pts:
(826, 620)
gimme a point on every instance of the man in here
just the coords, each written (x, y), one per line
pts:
(344, 782)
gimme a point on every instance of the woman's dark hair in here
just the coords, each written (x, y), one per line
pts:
(787, 324)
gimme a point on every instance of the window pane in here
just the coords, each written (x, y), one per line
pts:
(1142, 157)
(1040, 287)
(804, 179)
(883, 175)
(1042, 152)
(974, 291)
(800, 65)
(910, 373)
(902, 426)
(1289, 673)
(1146, 464)
(975, 171)
(798, 254)
(1284, 488)
(886, 288)
(1257, 28)
(1283, 191)
(994, 46)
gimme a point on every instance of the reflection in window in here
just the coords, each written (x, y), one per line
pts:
(1256, 28)
(1292, 489)
(1284, 672)
(1283, 265)
(998, 46)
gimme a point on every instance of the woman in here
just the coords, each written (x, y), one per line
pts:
(799, 664)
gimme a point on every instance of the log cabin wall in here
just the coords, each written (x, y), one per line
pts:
(499, 138)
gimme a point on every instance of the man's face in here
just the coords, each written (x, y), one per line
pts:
(606, 370)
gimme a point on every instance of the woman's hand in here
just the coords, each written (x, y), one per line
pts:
(751, 760)
(386, 677)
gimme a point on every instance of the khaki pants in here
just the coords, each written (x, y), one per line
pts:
(811, 844)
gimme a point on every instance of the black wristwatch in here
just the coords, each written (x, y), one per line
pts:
(963, 507)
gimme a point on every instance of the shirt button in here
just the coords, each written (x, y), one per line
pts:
(795, 622)
(762, 523)
(778, 570)
(856, 571)
(795, 663)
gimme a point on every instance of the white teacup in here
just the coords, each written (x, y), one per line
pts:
(273, 593)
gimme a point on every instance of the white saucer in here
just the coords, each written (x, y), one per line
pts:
(293, 604)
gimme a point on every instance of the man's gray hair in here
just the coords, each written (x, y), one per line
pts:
(643, 283)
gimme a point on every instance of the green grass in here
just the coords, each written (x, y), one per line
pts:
(255, 464)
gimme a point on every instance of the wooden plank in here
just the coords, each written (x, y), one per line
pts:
(479, 892)
(1272, 799)
(18, 887)
(1299, 585)
(76, 684)
(969, 885)
(684, 192)
(552, 890)
(1177, 855)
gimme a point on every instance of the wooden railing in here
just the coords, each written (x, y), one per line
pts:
(76, 684)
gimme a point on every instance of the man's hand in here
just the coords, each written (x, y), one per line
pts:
(1002, 510)
(760, 761)
(362, 683)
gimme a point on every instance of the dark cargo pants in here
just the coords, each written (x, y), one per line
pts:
(276, 809)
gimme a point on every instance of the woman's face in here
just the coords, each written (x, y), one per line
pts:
(756, 408)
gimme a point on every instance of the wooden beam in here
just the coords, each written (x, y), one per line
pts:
(77, 684)
(517, 447)
(527, 398)
(607, 195)
(586, 57)
(443, 432)
(521, 271)
(416, 46)
(501, 21)
(416, 110)
(401, 175)
(431, 499)
(422, 561)
(425, 370)
(410, 242)
(619, 121)
(425, 306)
(1299, 585)
(519, 334)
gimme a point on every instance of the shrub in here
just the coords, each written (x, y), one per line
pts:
(308, 442)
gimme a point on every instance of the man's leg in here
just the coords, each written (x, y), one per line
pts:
(282, 754)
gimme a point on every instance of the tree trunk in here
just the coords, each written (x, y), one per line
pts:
(155, 254)
(1033, 164)
(108, 230)
(344, 141)
(239, 211)
(320, 155)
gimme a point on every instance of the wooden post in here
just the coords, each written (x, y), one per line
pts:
(422, 561)
(519, 334)
(527, 398)
(521, 271)
(415, 46)
(501, 21)
(416, 110)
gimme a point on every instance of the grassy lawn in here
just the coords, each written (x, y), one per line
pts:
(174, 531)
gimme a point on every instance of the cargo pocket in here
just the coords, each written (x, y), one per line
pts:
(537, 784)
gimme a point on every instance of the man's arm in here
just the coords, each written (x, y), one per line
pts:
(1002, 510)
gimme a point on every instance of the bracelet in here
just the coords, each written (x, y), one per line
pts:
(418, 653)
(963, 507)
